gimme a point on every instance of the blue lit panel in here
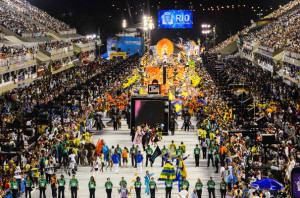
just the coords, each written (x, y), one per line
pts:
(175, 19)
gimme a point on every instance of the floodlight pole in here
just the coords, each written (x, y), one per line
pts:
(214, 32)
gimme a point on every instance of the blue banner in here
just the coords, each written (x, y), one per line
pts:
(128, 44)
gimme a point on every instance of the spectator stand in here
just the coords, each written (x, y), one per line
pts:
(60, 55)
(45, 22)
(248, 48)
(291, 68)
(18, 66)
(290, 72)
(85, 47)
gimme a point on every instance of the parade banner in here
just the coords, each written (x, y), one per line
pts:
(156, 153)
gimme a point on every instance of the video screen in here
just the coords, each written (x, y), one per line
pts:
(149, 112)
(175, 19)
(296, 184)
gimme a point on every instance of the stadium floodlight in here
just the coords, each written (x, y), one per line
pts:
(148, 23)
(205, 31)
(124, 24)
(205, 26)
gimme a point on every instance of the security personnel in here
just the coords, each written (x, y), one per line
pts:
(211, 187)
(216, 160)
(187, 122)
(122, 182)
(184, 182)
(197, 155)
(14, 186)
(223, 187)
(28, 185)
(92, 187)
(61, 187)
(169, 185)
(164, 151)
(210, 156)
(204, 149)
(153, 187)
(42, 186)
(133, 152)
(115, 122)
(73, 186)
(149, 152)
(119, 152)
(138, 186)
(108, 186)
(198, 187)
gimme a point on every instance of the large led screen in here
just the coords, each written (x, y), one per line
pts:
(175, 19)
(149, 112)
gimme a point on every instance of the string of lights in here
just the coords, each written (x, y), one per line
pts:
(139, 8)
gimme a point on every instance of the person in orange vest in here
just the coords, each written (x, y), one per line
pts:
(222, 153)
(125, 156)
(54, 184)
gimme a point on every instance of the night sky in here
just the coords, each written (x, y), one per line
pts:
(88, 15)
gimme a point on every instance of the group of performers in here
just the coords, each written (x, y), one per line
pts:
(143, 135)
(169, 172)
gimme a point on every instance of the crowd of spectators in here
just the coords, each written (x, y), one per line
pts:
(246, 159)
(56, 47)
(84, 41)
(282, 32)
(10, 55)
(225, 43)
(265, 59)
(282, 9)
(69, 130)
(20, 25)
(292, 71)
(41, 16)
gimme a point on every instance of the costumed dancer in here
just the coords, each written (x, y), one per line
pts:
(147, 182)
(180, 171)
(138, 136)
(105, 150)
(168, 171)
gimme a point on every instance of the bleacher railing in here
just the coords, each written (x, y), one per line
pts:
(19, 59)
(67, 32)
(34, 34)
(293, 55)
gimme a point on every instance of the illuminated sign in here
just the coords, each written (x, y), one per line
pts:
(175, 19)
